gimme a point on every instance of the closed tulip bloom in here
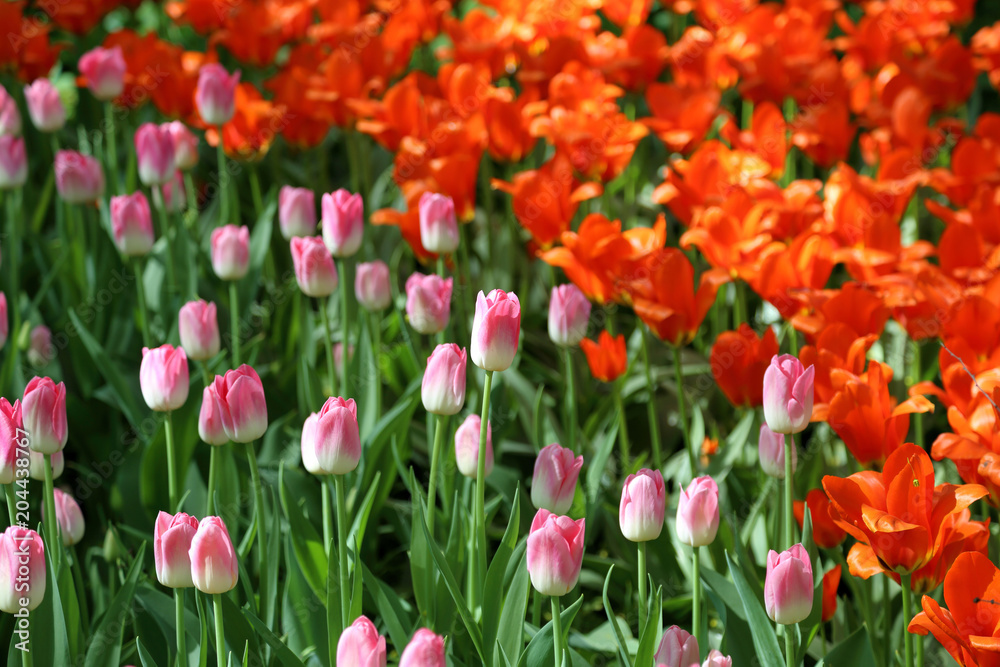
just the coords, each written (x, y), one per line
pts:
(13, 162)
(172, 536)
(314, 269)
(242, 403)
(10, 116)
(678, 648)
(104, 71)
(230, 252)
(371, 285)
(569, 311)
(36, 465)
(438, 227)
(214, 568)
(70, 518)
(788, 394)
(495, 330)
(79, 178)
(428, 302)
(643, 504)
(555, 552)
(4, 325)
(199, 329)
(44, 106)
(174, 199)
(788, 586)
(163, 377)
(132, 224)
(360, 645)
(443, 387)
(11, 435)
(467, 447)
(22, 569)
(40, 350)
(154, 148)
(296, 212)
(43, 409)
(331, 441)
(210, 427)
(215, 96)
(185, 145)
(553, 483)
(343, 222)
(717, 659)
(698, 512)
(771, 446)
(426, 649)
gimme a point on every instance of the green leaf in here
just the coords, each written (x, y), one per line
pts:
(510, 637)
(493, 588)
(725, 589)
(539, 652)
(390, 608)
(650, 636)
(421, 567)
(144, 657)
(306, 543)
(595, 469)
(855, 651)
(123, 391)
(764, 640)
(106, 645)
(623, 653)
(283, 654)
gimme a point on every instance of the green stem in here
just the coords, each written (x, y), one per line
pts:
(26, 660)
(344, 351)
(220, 635)
(234, 322)
(570, 400)
(435, 473)
(789, 492)
(140, 291)
(114, 177)
(918, 417)
(161, 212)
(623, 441)
(179, 622)
(699, 631)
(536, 608)
(376, 331)
(907, 617)
(654, 426)
(480, 562)
(51, 523)
(172, 487)
(327, 517)
(213, 472)
(643, 588)
(330, 362)
(11, 258)
(557, 634)
(192, 196)
(345, 584)
(682, 407)
(887, 621)
(11, 503)
(81, 591)
(259, 511)
(223, 173)
(488, 206)
(258, 202)
(789, 646)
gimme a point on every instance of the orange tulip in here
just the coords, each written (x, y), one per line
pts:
(634, 60)
(765, 137)
(698, 61)
(607, 358)
(508, 136)
(837, 348)
(974, 444)
(986, 48)
(824, 132)
(831, 580)
(78, 16)
(248, 135)
(825, 531)
(681, 117)
(784, 271)
(738, 361)
(408, 221)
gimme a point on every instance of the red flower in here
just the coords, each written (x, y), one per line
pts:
(738, 361)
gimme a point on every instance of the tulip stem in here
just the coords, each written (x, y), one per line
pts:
(172, 489)
(887, 622)
(345, 600)
(213, 471)
(327, 517)
(179, 622)
(330, 365)
(570, 400)
(480, 561)
(654, 426)
(622, 427)
(80, 591)
(905, 581)
(11, 503)
(223, 183)
(557, 635)
(258, 498)
(234, 322)
(109, 118)
(192, 198)
(220, 635)
(679, 380)
(11, 259)
(699, 631)
(344, 349)
(643, 592)
(51, 523)
(789, 646)
(789, 492)
(140, 292)
(160, 203)
(376, 326)
(435, 473)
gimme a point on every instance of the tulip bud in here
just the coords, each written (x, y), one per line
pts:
(40, 350)
(467, 447)
(788, 394)
(4, 325)
(242, 404)
(163, 377)
(199, 330)
(331, 441)
(772, 453)
(230, 252)
(132, 224)
(173, 193)
(10, 116)
(788, 586)
(314, 269)
(678, 648)
(13, 162)
(644, 502)
(428, 302)
(443, 387)
(214, 568)
(210, 426)
(343, 222)
(36, 465)
(717, 659)
(360, 645)
(296, 212)
(553, 484)
(495, 330)
(438, 227)
(70, 518)
(569, 311)
(698, 512)
(555, 552)
(371, 285)
(154, 148)
(185, 145)
(79, 178)
(22, 570)
(426, 649)
(11, 436)
(44, 106)
(43, 408)
(215, 96)
(172, 536)
(104, 71)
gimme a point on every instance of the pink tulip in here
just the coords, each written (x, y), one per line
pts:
(132, 224)
(44, 106)
(210, 427)
(331, 442)
(43, 408)
(426, 649)
(343, 222)
(185, 145)
(443, 387)
(36, 465)
(174, 197)
(678, 648)
(4, 325)
(314, 269)
(338, 354)
(104, 71)
(13, 162)
(717, 659)
(698, 512)
(12, 436)
(438, 227)
(214, 568)
(154, 148)
(79, 178)
(788, 394)
(70, 518)
(230, 252)
(569, 312)
(771, 447)
(296, 212)
(360, 645)
(40, 350)
(371, 285)
(555, 552)
(199, 330)
(242, 403)
(467, 447)
(553, 484)
(644, 502)
(163, 377)
(428, 302)
(172, 536)
(22, 570)
(495, 330)
(788, 586)
(10, 116)
(216, 93)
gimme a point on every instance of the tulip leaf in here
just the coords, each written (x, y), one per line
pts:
(648, 640)
(596, 466)
(421, 565)
(106, 643)
(390, 608)
(49, 640)
(510, 636)
(856, 651)
(765, 641)
(283, 654)
(725, 589)
(306, 543)
(122, 391)
(623, 653)
(540, 650)
(493, 589)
